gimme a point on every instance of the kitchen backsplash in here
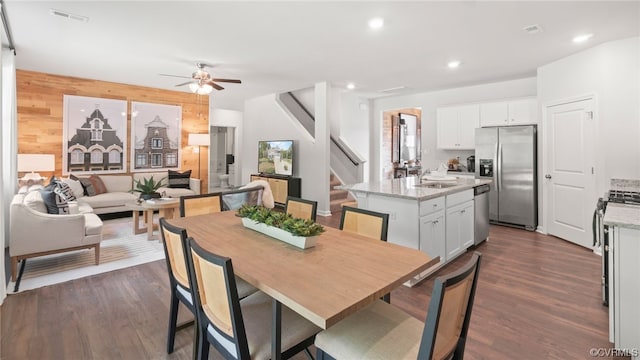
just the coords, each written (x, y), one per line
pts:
(625, 184)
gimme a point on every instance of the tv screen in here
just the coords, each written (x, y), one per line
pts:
(275, 157)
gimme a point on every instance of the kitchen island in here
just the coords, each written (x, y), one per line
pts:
(436, 217)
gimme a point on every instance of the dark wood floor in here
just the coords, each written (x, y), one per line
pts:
(538, 297)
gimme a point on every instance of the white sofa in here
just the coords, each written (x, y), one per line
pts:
(119, 191)
(33, 232)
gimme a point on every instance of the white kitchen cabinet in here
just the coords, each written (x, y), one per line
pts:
(513, 112)
(459, 225)
(456, 125)
(433, 235)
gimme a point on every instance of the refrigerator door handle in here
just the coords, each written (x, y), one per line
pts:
(499, 167)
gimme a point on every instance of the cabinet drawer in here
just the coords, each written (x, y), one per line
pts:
(459, 198)
(431, 205)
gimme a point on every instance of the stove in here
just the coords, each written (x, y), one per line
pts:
(624, 197)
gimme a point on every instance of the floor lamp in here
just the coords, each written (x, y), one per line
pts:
(199, 140)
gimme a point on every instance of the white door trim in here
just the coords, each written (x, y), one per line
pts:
(545, 144)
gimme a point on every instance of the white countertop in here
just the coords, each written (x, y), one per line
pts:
(409, 187)
(622, 215)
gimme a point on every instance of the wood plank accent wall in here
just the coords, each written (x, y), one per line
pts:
(387, 164)
(40, 113)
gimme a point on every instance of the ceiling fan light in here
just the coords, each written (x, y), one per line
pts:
(193, 87)
(205, 89)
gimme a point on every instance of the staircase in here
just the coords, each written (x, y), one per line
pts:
(338, 197)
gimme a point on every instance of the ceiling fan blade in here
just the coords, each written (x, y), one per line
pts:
(228, 80)
(214, 85)
(180, 76)
(185, 83)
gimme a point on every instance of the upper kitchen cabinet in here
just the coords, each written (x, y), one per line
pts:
(456, 127)
(513, 112)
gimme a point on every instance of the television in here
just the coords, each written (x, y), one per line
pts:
(275, 157)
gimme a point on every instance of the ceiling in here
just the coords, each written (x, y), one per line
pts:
(280, 46)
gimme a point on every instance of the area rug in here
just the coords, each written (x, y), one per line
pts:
(119, 249)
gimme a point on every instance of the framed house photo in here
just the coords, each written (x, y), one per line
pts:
(94, 131)
(155, 136)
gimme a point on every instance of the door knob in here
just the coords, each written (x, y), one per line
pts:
(547, 176)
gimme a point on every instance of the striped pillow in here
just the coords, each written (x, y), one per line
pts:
(64, 188)
(179, 179)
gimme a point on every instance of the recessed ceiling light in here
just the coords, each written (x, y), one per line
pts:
(376, 23)
(453, 64)
(351, 86)
(582, 38)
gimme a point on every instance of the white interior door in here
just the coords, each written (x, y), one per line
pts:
(569, 179)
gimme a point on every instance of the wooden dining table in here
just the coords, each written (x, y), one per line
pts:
(343, 273)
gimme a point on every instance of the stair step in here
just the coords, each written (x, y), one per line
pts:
(338, 194)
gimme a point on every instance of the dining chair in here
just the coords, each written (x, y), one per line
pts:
(367, 223)
(301, 208)
(174, 240)
(191, 205)
(238, 328)
(382, 331)
(364, 222)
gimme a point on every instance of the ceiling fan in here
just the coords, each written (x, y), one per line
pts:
(202, 80)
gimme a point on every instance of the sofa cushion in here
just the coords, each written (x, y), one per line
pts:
(84, 207)
(92, 224)
(110, 199)
(117, 183)
(179, 180)
(54, 199)
(33, 200)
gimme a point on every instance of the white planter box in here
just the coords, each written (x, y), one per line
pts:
(297, 241)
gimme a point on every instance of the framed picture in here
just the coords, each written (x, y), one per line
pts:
(94, 131)
(155, 136)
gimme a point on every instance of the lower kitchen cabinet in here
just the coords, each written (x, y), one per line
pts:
(459, 225)
(432, 235)
(626, 288)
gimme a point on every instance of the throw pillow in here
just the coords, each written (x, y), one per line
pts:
(54, 200)
(87, 186)
(98, 184)
(179, 179)
(64, 188)
(76, 187)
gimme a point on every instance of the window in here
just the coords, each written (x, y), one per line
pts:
(156, 160)
(96, 130)
(77, 157)
(96, 157)
(114, 157)
(141, 160)
(172, 159)
(156, 143)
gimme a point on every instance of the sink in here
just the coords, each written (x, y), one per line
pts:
(436, 185)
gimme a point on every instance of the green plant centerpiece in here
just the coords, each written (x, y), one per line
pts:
(148, 188)
(295, 231)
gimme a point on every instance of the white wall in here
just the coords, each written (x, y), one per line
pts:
(228, 118)
(264, 119)
(611, 72)
(354, 120)
(429, 102)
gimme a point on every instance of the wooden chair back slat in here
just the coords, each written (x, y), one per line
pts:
(200, 204)
(364, 222)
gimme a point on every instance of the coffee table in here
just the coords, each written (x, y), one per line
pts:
(166, 208)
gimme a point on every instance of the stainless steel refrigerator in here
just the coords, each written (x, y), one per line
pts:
(507, 155)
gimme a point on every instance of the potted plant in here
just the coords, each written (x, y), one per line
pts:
(301, 233)
(148, 188)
